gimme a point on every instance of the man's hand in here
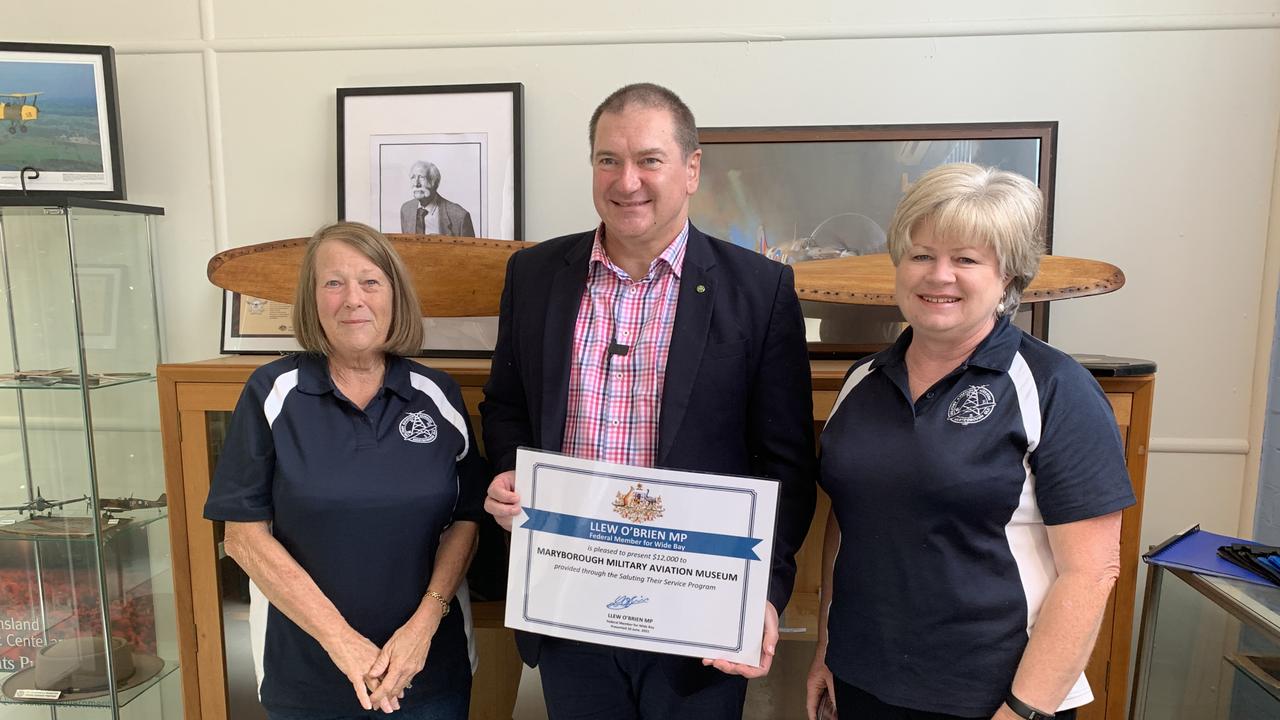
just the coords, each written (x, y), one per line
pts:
(766, 650)
(502, 502)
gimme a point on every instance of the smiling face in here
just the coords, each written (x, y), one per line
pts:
(948, 287)
(641, 181)
(353, 299)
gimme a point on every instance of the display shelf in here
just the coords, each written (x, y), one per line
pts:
(123, 697)
(110, 532)
(1265, 671)
(71, 382)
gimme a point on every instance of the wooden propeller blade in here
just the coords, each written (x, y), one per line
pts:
(868, 279)
(454, 276)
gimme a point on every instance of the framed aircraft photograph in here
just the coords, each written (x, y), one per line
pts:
(59, 125)
(797, 194)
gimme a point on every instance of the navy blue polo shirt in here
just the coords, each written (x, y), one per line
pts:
(944, 559)
(359, 498)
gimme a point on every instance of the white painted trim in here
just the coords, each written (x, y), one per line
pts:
(986, 28)
(217, 168)
(1265, 344)
(1200, 446)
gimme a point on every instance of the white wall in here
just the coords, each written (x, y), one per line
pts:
(1168, 122)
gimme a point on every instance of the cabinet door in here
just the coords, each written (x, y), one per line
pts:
(1099, 661)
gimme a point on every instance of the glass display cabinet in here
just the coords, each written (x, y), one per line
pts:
(1209, 647)
(87, 620)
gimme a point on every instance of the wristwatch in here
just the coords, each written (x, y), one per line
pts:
(1024, 710)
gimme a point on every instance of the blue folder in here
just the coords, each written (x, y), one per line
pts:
(1197, 550)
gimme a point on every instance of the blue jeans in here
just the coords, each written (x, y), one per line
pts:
(453, 706)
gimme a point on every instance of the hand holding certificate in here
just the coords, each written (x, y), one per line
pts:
(661, 560)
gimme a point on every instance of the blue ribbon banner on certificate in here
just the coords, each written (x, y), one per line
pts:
(663, 560)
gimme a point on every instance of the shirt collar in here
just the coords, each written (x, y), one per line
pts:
(314, 377)
(672, 256)
(995, 352)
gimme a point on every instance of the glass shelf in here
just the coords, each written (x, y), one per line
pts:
(124, 696)
(82, 529)
(97, 382)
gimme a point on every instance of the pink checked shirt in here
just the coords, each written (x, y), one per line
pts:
(614, 399)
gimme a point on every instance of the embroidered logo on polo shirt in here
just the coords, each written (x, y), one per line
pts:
(973, 405)
(418, 427)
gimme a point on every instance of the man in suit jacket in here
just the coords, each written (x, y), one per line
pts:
(647, 342)
(428, 212)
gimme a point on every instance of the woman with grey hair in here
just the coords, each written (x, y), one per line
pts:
(350, 485)
(976, 478)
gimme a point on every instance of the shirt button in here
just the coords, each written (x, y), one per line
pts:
(929, 395)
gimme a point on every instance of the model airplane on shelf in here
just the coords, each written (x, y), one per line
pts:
(67, 376)
(41, 505)
(110, 505)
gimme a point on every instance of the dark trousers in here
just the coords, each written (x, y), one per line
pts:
(855, 704)
(582, 681)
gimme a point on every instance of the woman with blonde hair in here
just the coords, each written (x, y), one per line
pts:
(976, 478)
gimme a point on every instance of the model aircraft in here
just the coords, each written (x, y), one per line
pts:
(40, 505)
(19, 109)
(111, 505)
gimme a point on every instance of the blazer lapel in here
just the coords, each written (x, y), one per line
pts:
(557, 341)
(688, 338)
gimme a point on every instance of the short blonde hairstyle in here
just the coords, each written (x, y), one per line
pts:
(404, 337)
(997, 208)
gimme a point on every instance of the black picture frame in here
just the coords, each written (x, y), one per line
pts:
(69, 105)
(762, 184)
(473, 131)
(420, 119)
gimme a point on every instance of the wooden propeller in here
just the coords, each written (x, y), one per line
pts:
(868, 279)
(454, 276)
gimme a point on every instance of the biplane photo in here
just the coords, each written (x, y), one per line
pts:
(19, 109)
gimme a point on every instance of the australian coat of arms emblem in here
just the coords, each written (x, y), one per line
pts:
(637, 504)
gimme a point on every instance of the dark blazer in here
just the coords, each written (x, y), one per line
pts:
(736, 398)
(454, 219)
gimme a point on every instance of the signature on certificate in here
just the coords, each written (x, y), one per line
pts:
(626, 601)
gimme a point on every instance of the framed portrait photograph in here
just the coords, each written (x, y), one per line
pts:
(436, 160)
(797, 194)
(433, 159)
(59, 125)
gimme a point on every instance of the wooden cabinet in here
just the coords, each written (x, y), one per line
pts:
(196, 398)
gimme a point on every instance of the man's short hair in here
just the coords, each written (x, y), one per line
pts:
(433, 172)
(649, 95)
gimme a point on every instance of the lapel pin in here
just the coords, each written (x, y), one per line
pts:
(701, 289)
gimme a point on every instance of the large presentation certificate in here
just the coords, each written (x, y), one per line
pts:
(662, 560)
